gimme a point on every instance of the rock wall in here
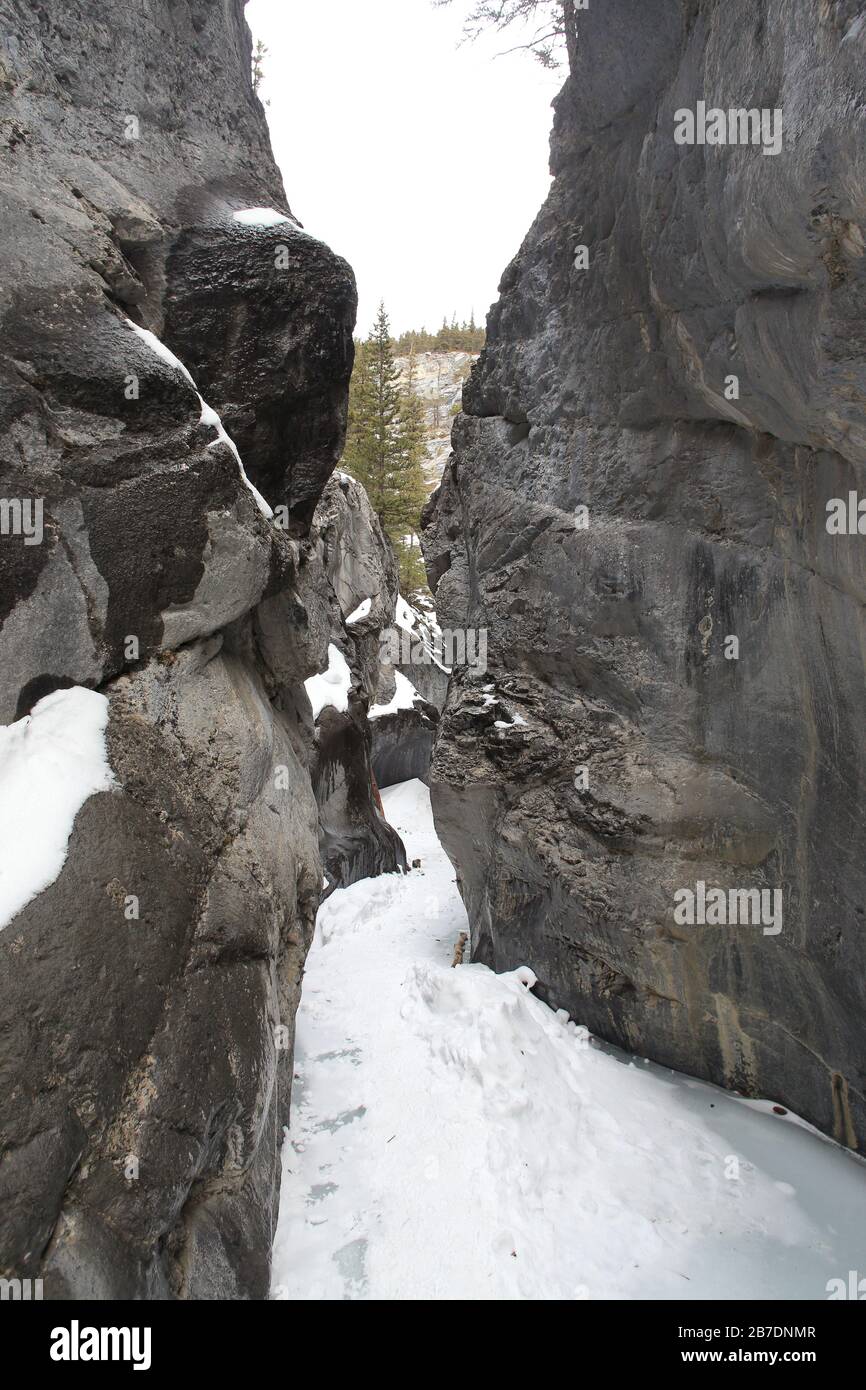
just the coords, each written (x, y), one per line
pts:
(147, 995)
(403, 743)
(624, 750)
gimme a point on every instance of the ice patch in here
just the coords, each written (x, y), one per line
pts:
(165, 354)
(423, 627)
(210, 417)
(405, 616)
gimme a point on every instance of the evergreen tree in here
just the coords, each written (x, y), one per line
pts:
(413, 575)
(413, 449)
(385, 444)
(449, 338)
(260, 53)
(412, 446)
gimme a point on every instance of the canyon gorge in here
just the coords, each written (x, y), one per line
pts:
(672, 391)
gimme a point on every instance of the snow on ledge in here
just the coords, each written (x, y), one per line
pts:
(332, 686)
(424, 628)
(404, 697)
(361, 612)
(261, 217)
(164, 353)
(208, 415)
(405, 615)
(50, 763)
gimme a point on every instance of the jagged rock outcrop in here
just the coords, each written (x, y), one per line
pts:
(147, 995)
(353, 550)
(373, 724)
(413, 684)
(246, 319)
(623, 750)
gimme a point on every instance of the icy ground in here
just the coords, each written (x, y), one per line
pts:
(452, 1137)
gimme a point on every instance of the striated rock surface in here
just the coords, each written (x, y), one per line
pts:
(625, 749)
(147, 994)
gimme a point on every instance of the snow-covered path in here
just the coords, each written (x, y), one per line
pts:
(452, 1137)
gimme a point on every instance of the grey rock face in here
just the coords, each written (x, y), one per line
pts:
(360, 566)
(429, 664)
(403, 738)
(356, 840)
(279, 369)
(403, 744)
(160, 1046)
(128, 139)
(651, 756)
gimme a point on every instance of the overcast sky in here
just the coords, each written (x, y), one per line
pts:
(422, 162)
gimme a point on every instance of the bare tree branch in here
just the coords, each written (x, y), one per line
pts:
(557, 29)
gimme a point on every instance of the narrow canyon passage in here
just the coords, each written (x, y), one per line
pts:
(452, 1137)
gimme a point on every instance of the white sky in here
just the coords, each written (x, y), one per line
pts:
(423, 163)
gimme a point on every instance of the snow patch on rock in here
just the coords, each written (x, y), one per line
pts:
(330, 687)
(361, 612)
(404, 697)
(50, 763)
(209, 416)
(260, 217)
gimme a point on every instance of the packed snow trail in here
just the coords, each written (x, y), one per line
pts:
(452, 1137)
